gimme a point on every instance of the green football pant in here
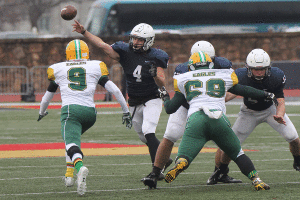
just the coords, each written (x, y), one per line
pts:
(75, 120)
(200, 129)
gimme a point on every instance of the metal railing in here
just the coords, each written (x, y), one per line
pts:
(19, 80)
(14, 80)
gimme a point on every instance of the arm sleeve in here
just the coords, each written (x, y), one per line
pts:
(172, 105)
(45, 101)
(103, 80)
(52, 87)
(247, 91)
(112, 88)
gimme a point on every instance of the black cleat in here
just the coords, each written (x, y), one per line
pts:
(150, 181)
(297, 168)
(227, 179)
(223, 178)
(212, 180)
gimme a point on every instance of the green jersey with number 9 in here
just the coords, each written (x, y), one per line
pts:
(77, 80)
(205, 88)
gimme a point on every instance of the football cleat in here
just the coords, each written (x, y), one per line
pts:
(297, 168)
(224, 178)
(260, 185)
(218, 177)
(69, 181)
(81, 180)
(150, 181)
(180, 165)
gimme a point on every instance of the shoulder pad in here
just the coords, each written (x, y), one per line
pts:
(222, 63)
(160, 55)
(240, 72)
(275, 71)
(181, 68)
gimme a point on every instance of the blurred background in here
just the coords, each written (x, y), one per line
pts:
(34, 36)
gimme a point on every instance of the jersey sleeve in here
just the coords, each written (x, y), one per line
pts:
(280, 78)
(181, 68)
(50, 73)
(176, 89)
(162, 58)
(118, 46)
(103, 68)
(234, 78)
(222, 63)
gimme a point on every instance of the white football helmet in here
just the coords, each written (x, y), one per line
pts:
(144, 31)
(258, 59)
(204, 46)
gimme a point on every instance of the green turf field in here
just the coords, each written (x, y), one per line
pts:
(118, 177)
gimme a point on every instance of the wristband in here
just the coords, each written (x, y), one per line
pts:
(83, 32)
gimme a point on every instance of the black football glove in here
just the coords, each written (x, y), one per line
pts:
(271, 96)
(164, 95)
(43, 115)
(153, 68)
(126, 118)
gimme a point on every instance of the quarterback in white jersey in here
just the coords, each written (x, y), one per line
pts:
(77, 79)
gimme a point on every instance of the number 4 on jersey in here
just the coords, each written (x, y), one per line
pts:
(138, 73)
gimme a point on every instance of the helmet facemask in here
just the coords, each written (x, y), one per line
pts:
(258, 78)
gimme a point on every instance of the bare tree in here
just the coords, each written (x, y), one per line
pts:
(13, 11)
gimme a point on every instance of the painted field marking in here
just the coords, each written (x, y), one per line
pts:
(89, 149)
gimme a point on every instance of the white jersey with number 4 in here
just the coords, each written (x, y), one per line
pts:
(77, 80)
(205, 88)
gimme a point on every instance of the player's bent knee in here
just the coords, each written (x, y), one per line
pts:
(73, 150)
(142, 137)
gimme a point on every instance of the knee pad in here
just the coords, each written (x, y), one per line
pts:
(72, 150)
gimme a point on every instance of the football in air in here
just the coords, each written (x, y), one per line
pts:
(68, 12)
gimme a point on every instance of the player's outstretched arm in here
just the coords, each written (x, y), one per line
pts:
(106, 48)
(172, 105)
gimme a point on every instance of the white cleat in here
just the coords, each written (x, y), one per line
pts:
(69, 181)
(81, 180)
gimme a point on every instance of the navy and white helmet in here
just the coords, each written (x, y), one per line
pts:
(144, 31)
(258, 59)
(204, 46)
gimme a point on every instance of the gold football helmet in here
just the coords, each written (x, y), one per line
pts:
(77, 50)
(199, 60)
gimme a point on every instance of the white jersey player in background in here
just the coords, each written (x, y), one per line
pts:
(77, 79)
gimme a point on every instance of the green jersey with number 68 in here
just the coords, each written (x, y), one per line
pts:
(205, 88)
(77, 80)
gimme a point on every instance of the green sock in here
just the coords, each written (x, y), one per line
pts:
(253, 174)
(78, 164)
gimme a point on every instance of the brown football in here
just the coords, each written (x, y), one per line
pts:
(69, 12)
